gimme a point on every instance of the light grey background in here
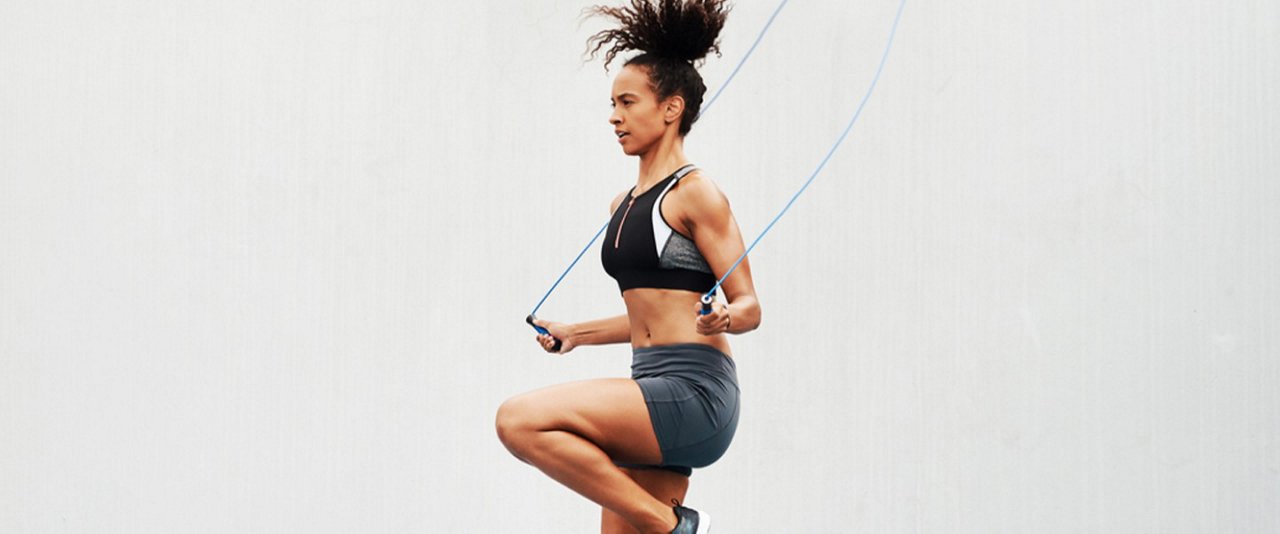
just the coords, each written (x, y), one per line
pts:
(265, 264)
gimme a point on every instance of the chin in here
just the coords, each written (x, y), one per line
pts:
(633, 150)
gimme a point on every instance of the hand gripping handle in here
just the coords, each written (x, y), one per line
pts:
(543, 331)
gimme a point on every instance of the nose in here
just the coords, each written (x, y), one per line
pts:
(614, 119)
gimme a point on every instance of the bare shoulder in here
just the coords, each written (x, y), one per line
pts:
(699, 203)
(699, 194)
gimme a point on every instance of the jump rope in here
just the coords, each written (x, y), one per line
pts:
(709, 296)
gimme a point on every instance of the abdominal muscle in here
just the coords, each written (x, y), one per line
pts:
(665, 317)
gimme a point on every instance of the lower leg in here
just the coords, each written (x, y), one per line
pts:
(661, 484)
(583, 467)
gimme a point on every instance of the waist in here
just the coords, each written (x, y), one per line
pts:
(662, 317)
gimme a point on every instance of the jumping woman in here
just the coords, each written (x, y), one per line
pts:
(630, 444)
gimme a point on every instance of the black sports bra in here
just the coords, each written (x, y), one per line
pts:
(642, 250)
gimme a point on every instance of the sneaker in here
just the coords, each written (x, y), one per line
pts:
(691, 521)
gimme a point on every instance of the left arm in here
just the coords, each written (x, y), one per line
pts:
(710, 221)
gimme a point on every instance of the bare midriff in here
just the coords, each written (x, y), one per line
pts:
(666, 317)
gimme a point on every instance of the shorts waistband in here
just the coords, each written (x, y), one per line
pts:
(680, 347)
(678, 357)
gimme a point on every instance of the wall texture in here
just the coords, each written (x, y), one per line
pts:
(265, 264)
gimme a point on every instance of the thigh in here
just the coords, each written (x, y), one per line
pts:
(662, 484)
(609, 412)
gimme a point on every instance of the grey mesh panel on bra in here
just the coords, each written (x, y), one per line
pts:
(681, 253)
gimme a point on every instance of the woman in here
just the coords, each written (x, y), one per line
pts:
(629, 444)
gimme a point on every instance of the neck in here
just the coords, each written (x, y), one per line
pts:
(660, 162)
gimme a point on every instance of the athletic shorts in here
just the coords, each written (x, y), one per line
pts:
(692, 393)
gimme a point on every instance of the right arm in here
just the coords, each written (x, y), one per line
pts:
(597, 332)
(601, 331)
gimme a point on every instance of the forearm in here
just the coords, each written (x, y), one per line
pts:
(602, 331)
(744, 314)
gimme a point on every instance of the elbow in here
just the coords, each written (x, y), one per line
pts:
(745, 315)
(755, 315)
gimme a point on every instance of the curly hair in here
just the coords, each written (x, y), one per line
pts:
(671, 36)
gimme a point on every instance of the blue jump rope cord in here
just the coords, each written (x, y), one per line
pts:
(700, 113)
(839, 140)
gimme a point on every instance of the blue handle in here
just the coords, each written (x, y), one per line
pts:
(706, 305)
(545, 332)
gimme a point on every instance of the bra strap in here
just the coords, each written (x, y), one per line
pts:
(682, 171)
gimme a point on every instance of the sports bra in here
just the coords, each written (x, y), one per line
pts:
(641, 250)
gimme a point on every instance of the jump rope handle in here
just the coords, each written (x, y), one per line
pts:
(543, 331)
(706, 305)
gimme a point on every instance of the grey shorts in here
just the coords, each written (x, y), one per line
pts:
(692, 393)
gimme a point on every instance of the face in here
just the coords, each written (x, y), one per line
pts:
(638, 118)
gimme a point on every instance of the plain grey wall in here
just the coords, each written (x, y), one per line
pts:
(265, 264)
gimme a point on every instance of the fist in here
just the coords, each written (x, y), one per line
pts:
(558, 331)
(716, 322)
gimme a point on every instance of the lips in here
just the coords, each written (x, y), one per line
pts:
(621, 134)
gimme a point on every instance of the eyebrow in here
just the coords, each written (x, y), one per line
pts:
(626, 94)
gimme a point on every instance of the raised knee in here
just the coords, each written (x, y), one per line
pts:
(513, 424)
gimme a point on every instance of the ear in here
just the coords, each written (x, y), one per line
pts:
(673, 110)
